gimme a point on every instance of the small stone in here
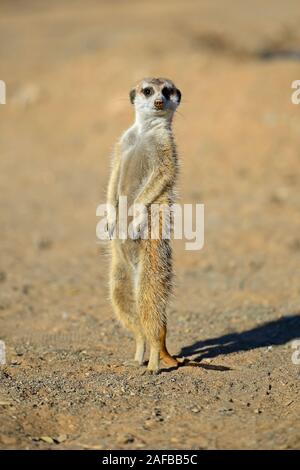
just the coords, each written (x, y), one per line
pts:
(26, 288)
(127, 439)
(4, 403)
(15, 362)
(61, 438)
(279, 196)
(195, 410)
(44, 244)
(19, 352)
(8, 440)
(47, 439)
(226, 411)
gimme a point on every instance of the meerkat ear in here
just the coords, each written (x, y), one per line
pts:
(132, 95)
(178, 93)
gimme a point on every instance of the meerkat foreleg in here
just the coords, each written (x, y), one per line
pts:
(112, 193)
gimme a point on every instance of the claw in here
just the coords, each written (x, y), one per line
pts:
(150, 372)
(110, 228)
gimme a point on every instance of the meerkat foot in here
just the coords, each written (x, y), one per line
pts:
(164, 354)
(150, 372)
(132, 363)
(167, 359)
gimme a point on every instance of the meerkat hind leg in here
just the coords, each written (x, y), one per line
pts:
(153, 293)
(125, 307)
(165, 356)
(153, 364)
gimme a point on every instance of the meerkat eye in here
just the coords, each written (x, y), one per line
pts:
(148, 91)
(166, 92)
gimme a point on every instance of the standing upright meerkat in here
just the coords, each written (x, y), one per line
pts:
(144, 169)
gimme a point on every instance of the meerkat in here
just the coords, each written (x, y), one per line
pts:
(144, 169)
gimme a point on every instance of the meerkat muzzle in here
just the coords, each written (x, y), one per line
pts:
(159, 104)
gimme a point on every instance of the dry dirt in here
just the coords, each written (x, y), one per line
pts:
(236, 308)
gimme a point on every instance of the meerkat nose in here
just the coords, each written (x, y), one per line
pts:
(159, 104)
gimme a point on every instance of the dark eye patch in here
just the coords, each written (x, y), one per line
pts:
(148, 91)
(167, 92)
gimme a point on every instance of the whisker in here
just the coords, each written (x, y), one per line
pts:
(180, 114)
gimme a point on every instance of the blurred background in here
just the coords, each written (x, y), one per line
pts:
(68, 68)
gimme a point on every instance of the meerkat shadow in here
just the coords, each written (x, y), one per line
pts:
(189, 363)
(273, 333)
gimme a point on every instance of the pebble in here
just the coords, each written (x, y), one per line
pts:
(4, 403)
(47, 439)
(61, 438)
(279, 196)
(195, 410)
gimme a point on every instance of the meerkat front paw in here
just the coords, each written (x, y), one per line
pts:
(110, 225)
(139, 225)
(111, 218)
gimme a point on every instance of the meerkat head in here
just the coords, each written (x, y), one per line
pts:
(153, 97)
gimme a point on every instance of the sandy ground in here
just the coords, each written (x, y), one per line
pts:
(236, 308)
